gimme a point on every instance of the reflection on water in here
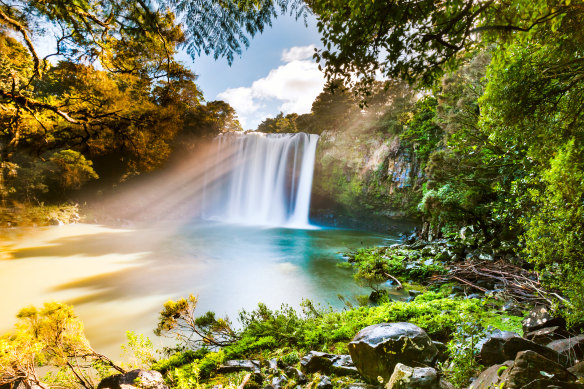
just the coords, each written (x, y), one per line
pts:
(118, 279)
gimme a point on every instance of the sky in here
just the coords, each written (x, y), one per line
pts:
(275, 74)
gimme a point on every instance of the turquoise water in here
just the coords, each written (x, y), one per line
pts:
(118, 279)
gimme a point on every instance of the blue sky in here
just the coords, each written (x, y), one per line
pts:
(276, 73)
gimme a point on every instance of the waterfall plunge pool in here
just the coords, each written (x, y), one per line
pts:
(118, 279)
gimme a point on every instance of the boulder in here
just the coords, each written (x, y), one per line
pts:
(377, 349)
(503, 346)
(491, 377)
(279, 382)
(297, 375)
(534, 370)
(143, 379)
(492, 346)
(414, 293)
(405, 377)
(442, 351)
(324, 383)
(570, 349)
(540, 317)
(577, 369)
(236, 365)
(339, 365)
(547, 335)
(528, 370)
(343, 365)
(271, 365)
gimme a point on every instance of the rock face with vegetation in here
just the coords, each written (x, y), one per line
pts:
(364, 173)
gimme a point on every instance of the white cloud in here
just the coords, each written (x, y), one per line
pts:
(298, 53)
(288, 88)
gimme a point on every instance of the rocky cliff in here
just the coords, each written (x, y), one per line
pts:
(364, 176)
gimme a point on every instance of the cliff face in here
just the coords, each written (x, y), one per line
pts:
(364, 174)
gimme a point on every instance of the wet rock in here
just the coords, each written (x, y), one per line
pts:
(570, 349)
(297, 375)
(414, 293)
(540, 317)
(512, 309)
(428, 251)
(492, 346)
(491, 377)
(360, 385)
(339, 365)
(279, 382)
(547, 335)
(272, 365)
(376, 295)
(577, 369)
(252, 381)
(418, 244)
(316, 361)
(236, 365)
(377, 349)
(532, 369)
(442, 351)
(474, 296)
(324, 383)
(502, 346)
(405, 377)
(143, 379)
(343, 366)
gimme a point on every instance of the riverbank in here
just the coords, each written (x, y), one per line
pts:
(40, 215)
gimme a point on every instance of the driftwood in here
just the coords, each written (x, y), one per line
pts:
(514, 282)
(399, 284)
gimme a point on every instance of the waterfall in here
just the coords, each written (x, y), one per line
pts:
(261, 179)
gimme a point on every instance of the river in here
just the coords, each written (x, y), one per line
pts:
(118, 278)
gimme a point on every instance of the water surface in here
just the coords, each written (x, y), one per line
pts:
(119, 278)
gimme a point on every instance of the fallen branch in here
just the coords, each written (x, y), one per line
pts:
(516, 283)
(469, 284)
(399, 284)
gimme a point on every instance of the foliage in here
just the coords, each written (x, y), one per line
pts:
(421, 132)
(279, 124)
(40, 215)
(464, 349)
(139, 351)
(265, 331)
(111, 91)
(418, 40)
(554, 229)
(239, 19)
(53, 336)
(178, 319)
(374, 266)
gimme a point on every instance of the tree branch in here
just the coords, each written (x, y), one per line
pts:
(20, 28)
(27, 102)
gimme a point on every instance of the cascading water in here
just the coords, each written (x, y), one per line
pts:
(267, 180)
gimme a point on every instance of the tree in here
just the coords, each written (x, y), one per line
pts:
(177, 319)
(419, 40)
(51, 336)
(238, 20)
(112, 88)
(279, 124)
